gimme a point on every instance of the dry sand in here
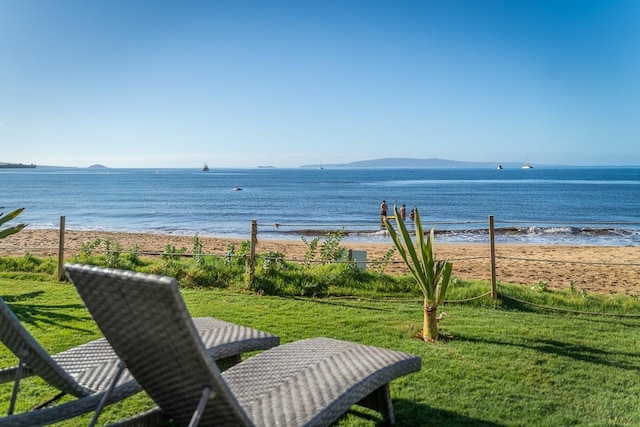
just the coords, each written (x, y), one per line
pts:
(601, 269)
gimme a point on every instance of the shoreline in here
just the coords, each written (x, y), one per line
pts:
(599, 269)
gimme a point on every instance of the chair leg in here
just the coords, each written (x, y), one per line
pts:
(380, 400)
(121, 367)
(197, 414)
(16, 382)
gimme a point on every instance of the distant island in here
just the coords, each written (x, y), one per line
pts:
(97, 166)
(16, 166)
(401, 162)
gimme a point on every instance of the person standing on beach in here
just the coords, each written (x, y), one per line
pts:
(383, 209)
(403, 212)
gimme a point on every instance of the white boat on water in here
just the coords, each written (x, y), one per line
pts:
(527, 166)
(205, 168)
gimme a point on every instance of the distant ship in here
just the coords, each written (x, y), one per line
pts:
(205, 168)
(499, 167)
(527, 166)
(16, 166)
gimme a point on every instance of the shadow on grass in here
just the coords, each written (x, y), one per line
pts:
(577, 352)
(412, 414)
(340, 303)
(35, 314)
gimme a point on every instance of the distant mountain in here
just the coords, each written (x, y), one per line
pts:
(415, 163)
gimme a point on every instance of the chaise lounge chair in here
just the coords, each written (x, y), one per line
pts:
(304, 383)
(87, 371)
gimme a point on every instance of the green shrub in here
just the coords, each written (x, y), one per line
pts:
(197, 251)
(112, 252)
(86, 251)
(28, 264)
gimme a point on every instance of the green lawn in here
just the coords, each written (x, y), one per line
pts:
(498, 367)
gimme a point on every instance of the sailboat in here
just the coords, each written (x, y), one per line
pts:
(527, 166)
(205, 168)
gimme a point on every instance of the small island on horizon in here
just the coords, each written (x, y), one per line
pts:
(16, 166)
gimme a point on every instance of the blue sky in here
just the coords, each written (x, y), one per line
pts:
(286, 83)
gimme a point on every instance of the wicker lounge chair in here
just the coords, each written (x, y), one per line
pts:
(304, 383)
(87, 371)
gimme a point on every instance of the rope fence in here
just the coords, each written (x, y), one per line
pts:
(494, 261)
(402, 300)
(555, 261)
(566, 310)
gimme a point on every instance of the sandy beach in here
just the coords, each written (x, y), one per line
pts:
(600, 269)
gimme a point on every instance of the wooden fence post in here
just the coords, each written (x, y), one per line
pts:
(494, 287)
(61, 251)
(251, 261)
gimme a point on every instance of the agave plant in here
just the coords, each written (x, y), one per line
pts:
(433, 276)
(10, 230)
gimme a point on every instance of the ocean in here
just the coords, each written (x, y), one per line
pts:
(569, 205)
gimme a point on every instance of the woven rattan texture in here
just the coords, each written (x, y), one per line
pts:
(313, 382)
(310, 382)
(17, 339)
(90, 367)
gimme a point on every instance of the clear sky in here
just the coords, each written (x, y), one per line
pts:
(137, 83)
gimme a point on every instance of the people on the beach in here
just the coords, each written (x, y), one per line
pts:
(383, 209)
(403, 212)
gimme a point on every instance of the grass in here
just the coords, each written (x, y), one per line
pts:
(500, 364)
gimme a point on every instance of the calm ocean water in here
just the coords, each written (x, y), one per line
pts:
(598, 206)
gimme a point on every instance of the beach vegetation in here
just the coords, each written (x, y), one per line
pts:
(86, 251)
(432, 275)
(212, 272)
(331, 248)
(133, 256)
(109, 253)
(197, 251)
(271, 261)
(171, 253)
(8, 231)
(28, 264)
(274, 275)
(231, 249)
(238, 256)
(112, 251)
(380, 265)
(311, 246)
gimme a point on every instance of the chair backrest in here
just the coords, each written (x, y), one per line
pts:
(147, 322)
(21, 343)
